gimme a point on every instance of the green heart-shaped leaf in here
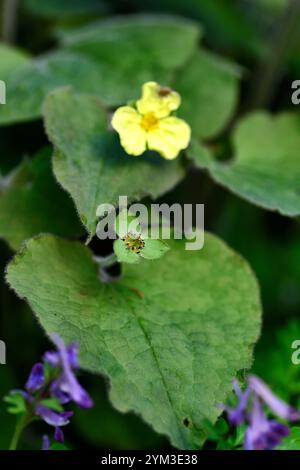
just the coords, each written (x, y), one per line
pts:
(90, 163)
(111, 59)
(170, 335)
(30, 84)
(134, 49)
(266, 168)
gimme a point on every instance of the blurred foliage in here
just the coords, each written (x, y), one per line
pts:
(58, 8)
(291, 442)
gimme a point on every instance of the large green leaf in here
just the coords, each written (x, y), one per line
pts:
(32, 202)
(90, 163)
(29, 85)
(266, 169)
(209, 89)
(134, 50)
(170, 336)
(113, 63)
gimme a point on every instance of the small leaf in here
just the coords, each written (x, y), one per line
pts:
(154, 249)
(90, 163)
(170, 352)
(265, 170)
(16, 402)
(123, 254)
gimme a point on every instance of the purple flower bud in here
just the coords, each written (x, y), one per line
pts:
(52, 417)
(36, 378)
(278, 406)
(59, 435)
(45, 443)
(72, 352)
(263, 434)
(67, 382)
(52, 357)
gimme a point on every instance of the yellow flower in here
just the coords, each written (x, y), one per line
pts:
(150, 125)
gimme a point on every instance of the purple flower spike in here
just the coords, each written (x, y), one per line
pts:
(52, 417)
(45, 443)
(263, 434)
(59, 435)
(278, 406)
(53, 357)
(36, 378)
(61, 384)
(67, 383)
(237, 415)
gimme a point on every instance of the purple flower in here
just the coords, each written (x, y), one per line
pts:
(56, 392)
(58, 387)
(67, 386)
(36, 378)
(237, 415)
(53, 418)
(54, 359)
(278, 406)
(59, 435)
(45, 442)
(263, 434)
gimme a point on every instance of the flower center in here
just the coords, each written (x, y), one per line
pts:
(134, 242)
(149, 121)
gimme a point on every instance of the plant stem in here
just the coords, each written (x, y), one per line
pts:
(105, 261)
(9, 20)
(281, 43)
(20, 426)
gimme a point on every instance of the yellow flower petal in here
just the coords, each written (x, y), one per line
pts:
(171, 136)
(127, 122)
(158, 100)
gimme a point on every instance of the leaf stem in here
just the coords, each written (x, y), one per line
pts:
(105, 261)
(21, 424)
